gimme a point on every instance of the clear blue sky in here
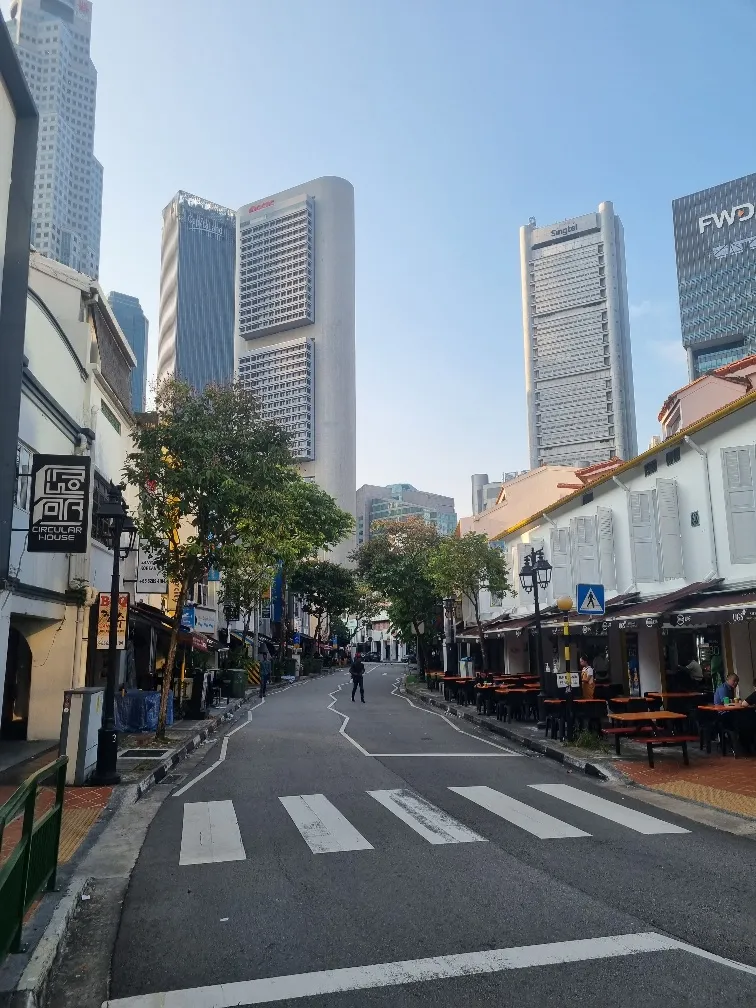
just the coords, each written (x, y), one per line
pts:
(455, 120)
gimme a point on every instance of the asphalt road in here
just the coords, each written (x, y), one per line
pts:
(324, 862)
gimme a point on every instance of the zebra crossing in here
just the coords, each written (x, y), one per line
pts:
(210, 830)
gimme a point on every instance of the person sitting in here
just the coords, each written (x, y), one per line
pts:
(726, 692)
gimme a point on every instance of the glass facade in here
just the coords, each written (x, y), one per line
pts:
(135, 326)
(197, 292)
(715, 247)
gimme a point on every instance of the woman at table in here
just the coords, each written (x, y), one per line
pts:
(587, 678)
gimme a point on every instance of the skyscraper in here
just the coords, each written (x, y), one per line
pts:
(715, 247)
(295, 324)
(198, 264)
(402, 500)
(52, 40)
(135, 326)
(578, 367)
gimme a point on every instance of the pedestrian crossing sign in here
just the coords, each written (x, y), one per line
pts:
(590, 600)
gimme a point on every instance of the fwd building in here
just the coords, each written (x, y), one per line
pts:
(294, 335)
(578, 368)
(715, 247)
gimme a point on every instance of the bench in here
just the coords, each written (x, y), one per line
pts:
(618, 733)
(665, 740)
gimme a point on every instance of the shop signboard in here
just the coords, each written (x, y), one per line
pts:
(561, 680)
(188, 619)
(151, 578)
(205, 620)
(103, 621)
(59, 509)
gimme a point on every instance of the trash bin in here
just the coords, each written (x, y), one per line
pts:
(234, 682)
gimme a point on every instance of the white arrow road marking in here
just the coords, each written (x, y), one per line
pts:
(334, 981)
(210, 834)
(323, 828)
(540, 824)
(437, 826)
(638, 821)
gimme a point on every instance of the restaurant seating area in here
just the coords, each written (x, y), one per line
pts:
(674, 719)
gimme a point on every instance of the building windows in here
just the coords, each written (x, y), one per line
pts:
(672, 457)
(650, 467)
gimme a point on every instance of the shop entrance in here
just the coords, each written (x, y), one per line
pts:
(17, 690)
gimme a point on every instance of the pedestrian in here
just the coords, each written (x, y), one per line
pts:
(264, 676)
(587, 678)
(357, 671)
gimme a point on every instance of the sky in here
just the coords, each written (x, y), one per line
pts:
(456, 121)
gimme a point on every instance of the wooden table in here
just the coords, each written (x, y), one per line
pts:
(721, 710)
(652, 717)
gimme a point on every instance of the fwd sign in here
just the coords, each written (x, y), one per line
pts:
(743, 212)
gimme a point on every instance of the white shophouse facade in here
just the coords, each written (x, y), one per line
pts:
(672, 537)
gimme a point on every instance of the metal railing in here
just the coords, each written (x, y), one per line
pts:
(32, 864)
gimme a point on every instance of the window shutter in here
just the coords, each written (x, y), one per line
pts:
(561, 575)
(584, 550)
(670, 536)
(607, 567)
(643, 535)
(738, 470)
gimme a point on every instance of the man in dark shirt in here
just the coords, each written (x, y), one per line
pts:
(357, 671)
(727, 690)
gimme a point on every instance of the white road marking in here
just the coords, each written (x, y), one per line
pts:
(443, 755)
(344, 722)
(437, 826)
(210, 834)
(324, 829)
(544, 826)
(426, 710)
(638, 821)
(334, 981)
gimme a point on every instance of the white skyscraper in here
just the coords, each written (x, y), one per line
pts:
(294, 338)
(52, 40)
(578, 367)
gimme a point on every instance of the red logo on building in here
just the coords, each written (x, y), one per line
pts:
(261, 206)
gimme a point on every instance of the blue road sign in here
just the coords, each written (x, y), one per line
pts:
(590, 600)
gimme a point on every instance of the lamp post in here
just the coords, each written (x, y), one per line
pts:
(564, 604)
(114, 511)
(535, 574)
(450, 607)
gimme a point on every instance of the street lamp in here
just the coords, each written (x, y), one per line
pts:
(120, 524)
(450, 609)
(535, 574)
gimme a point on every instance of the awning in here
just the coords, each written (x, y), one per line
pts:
(500, 627)
(651, 612)
(716, 608)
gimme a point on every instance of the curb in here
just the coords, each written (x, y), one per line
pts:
(29, 992)
(156, 775)
(536, 745)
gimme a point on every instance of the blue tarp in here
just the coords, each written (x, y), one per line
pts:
(138, 710)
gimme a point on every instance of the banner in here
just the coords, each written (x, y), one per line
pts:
(151, 579)
(59, 509)
(103, 621)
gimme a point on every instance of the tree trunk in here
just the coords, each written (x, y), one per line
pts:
(168, 671)
(481, 639)
(420, 651)
(256, 634)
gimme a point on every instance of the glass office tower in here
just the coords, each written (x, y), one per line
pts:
(135, 326)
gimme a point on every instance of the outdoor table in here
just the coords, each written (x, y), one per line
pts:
(729, 726)
(655, 738)
(629, 701)
(681, 702)
(487, 690)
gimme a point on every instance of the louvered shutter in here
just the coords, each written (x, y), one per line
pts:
(738, 470)
(561, 575)
(584, 550)
(607, 566)
(643, 535)
(670, 534)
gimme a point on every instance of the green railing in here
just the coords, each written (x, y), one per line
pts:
(33, 862)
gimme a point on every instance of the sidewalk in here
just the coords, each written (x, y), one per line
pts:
(719, 782)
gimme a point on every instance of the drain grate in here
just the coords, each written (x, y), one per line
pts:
(143, 754)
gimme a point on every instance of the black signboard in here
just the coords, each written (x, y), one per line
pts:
(59, 509)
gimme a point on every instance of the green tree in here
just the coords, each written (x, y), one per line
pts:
(329, 589)
(395, 562)
(207, 469)
(463, 566)
(248, 575)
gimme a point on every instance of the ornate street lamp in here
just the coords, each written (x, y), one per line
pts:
(535, 574)
(121, 532)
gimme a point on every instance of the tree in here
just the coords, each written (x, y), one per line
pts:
(395, 562)
(330, 591)
(463, 566)
(207, 469)
(248, 575)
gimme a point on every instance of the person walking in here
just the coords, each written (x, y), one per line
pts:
(357, 671)
(264, 676)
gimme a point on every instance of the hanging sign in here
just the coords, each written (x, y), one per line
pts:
(151, 578)
(59, 510)
(103, 621)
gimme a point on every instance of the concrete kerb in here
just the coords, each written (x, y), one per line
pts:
(592, 768)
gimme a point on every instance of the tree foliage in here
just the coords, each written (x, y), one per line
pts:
(330, 591)
(207, 468)
(463, 566)
(247, 576)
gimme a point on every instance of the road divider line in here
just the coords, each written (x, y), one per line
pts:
(324, 829)
(210, 834)
(638, 821)
(345, 722)
(437, 826)
(336, 981)
(544, 826)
